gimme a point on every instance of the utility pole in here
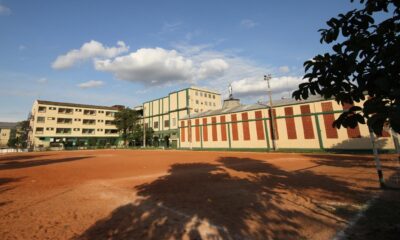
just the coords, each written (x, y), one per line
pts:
(267, 78)
(144, 131)
(190, 127)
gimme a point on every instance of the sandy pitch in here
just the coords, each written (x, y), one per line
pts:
(133, 194)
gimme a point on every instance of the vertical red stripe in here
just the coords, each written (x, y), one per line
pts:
(235, 135)
(351, 132)
(245, 124)
(223, 128)
(205, 130)
(275, 124)
(331, 132)
(182, 131)
(308, 128)
(197, 122)
(189, 129)
(290, 124)
(259, 126)
(214, 128)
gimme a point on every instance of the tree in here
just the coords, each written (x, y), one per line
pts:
(365, 62)
(137, 133)
(125, 120)
(19, 135)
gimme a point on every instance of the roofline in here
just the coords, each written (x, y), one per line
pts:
(45, 102)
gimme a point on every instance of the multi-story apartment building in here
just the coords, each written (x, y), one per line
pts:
(72, 124)
(163, 114)
(7, 129)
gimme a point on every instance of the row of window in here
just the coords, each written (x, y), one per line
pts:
(40, 130)
(69, 120)
(43, 109)
(206, 103)
(166, 123)
(205, 94)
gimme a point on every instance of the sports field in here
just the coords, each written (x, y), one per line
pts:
(143, 194)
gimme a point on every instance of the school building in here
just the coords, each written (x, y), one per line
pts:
(71, 124)
(299, 125)
(163, 114)
(7, 131)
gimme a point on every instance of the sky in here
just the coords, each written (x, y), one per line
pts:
(127, 52)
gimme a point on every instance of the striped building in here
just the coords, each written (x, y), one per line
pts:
(299, 125)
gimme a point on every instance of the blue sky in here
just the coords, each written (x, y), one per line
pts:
(127, 52)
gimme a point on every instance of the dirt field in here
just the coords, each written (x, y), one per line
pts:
(133, 194)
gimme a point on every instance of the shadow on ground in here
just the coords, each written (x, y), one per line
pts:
(7, 184)
(20, 157)
(16, 164)
(237, 198)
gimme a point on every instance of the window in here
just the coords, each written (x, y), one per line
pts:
(166, 123)
(52, 108)
(49, 129)
(88, 131)
(197, 101)
(77, 129)
(89, 112)
(88, 122)
(64, 120)
(65, 110)
(155, 125)
(201, 94)
(99, 130)
(39, 130)
(78, 110)
(111, 131)
(100, 120)
(109, 122)
(77, 119)
(205, 103)
(209, 95)
(213, 96)
(110, 114)
(173, 121)
(63, 130)
(197, 93)
(40, 119)
(100, 111)
(51, 118)
(42, 109)
(196, 110)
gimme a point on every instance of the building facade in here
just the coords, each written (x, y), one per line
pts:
(163, 114)
(70, 124)
(7, 130)
(299, 125)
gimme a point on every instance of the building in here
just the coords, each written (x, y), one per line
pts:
(163, 114)
(70, 124)
(299, 125)
(7, 130)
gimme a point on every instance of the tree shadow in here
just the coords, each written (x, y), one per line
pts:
(237, 198)
(345, 161)
(20, 157)
(365, 142)
(6, 184)
(36, 162)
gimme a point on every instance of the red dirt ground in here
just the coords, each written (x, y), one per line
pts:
(140, 194)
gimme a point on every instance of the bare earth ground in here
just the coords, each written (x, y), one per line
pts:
(139, 194)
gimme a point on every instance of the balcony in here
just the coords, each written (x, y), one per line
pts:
(89, 112)
(88, 131)
(63, 131)
(65, 111)
(89, 122)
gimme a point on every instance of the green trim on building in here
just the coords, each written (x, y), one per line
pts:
(266, 133)
(229, 136)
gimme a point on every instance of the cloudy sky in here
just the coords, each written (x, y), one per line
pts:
(127, 52)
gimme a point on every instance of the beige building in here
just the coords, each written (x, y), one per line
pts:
(7, 130)
(70, 124)
(163, 114)
(299, 125)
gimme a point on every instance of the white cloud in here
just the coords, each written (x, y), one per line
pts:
(284, 69)
(89, 50)
(248, 23)
(158, 66)
(254, 87)
(42, 80)
(91, 84)
(213, 67)
(4, 10)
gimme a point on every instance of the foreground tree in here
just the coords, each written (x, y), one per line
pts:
(19, 135)
(125, 120)
(366, 62)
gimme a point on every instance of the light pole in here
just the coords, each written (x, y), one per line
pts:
(273, 130)
(190, 127)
